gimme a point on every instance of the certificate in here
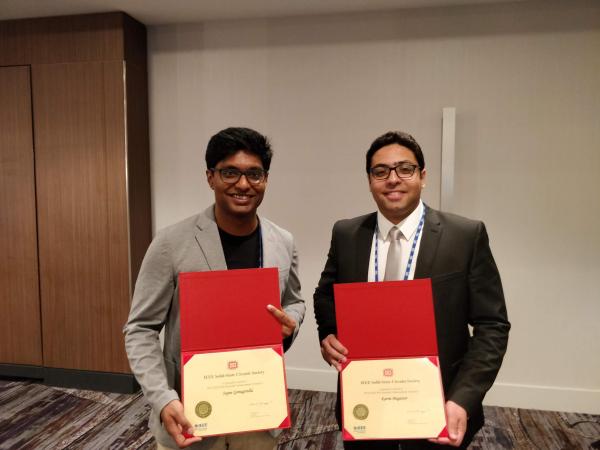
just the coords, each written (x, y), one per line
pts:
(232, 368)
(392, 399)
(235, 391)
(391, 386)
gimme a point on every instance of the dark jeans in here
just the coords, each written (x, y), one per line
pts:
(409, 444)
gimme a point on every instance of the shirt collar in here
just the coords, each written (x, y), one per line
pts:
(408, 226)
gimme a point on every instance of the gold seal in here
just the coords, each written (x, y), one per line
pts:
(360, 411)
(203, 409)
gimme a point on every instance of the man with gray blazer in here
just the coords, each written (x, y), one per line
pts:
(227, 235)
(405, 239)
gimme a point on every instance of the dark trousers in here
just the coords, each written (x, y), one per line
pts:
(409, 444)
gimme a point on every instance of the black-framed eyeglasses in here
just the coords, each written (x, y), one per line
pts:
(231, 175)
(403, 170)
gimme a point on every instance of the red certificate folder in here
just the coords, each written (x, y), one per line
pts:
(386, 321)
(224, 312)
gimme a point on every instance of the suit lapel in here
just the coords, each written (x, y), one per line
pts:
(432, 232)
(269, 245)
(364, 240)
(275, 253)
(207, 237)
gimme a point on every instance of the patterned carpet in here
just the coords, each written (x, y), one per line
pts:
(34, 416)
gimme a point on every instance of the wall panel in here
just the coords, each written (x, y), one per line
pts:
(20, 337)
(80, 163)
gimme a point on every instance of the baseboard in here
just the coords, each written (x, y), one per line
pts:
(549, 398)
(21, 371)
(121, 383)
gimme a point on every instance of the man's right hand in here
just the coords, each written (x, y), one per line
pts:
(176, 424)
(334, 353)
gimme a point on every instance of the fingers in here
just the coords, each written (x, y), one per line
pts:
(189, 442)
(288, 325)
(282, 317)
(177, 424)
(183, 424)
(440, 441)
(456, 417)
(336, 345)
(456, 421)
(334, 353)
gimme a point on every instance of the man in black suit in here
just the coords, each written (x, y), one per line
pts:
(406, 239)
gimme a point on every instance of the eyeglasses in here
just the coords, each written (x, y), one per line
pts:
(403, 170)
(231, 175)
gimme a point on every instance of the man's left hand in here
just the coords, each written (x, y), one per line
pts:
(288, 325)
(456, 417)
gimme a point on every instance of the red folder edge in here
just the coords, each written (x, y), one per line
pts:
(346, 435)
(287, 421)
(435, 360)
(277, 348)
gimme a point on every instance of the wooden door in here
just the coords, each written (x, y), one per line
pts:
(79, 117)
(20, 334)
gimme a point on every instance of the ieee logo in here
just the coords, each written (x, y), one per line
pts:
(232, 365)
(388, 372)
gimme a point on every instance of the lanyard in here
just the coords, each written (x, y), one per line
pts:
(260, 247)
(412, 250)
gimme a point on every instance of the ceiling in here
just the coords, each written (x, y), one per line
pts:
(157, 12)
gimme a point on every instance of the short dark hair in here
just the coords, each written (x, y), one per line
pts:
(231, 140)
(400, 138)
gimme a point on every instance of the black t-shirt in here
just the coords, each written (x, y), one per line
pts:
(241, 252)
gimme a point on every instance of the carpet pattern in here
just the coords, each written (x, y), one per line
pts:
(35, 416)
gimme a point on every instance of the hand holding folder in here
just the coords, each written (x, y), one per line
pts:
(333, 351)
(288, 325)
(177, 425)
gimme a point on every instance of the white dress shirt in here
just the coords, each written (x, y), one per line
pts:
(408, 227)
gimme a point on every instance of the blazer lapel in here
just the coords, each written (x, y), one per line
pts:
(207, 237)
(275, 254)
(269, 245)
(364, 240)
(432, 232)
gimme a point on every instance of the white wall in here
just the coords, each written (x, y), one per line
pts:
(525, 79)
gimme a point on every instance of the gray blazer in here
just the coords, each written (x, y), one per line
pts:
(192, 245)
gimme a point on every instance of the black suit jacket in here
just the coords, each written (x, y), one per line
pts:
(455, 254)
